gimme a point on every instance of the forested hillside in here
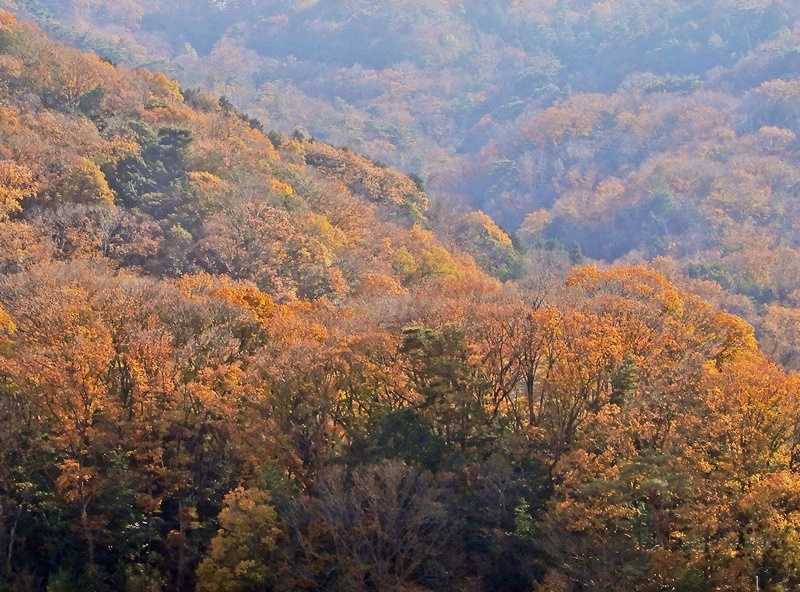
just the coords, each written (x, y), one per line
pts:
(615, 130)
(241, 361)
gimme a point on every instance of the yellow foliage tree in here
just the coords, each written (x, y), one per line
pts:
(6, 322)
(237, 560)
(16, 183)
(87, 184)
(534, 224)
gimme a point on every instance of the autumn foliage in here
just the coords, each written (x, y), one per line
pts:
(238, 361)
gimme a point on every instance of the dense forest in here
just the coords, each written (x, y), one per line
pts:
(555, 355)
(621, 130)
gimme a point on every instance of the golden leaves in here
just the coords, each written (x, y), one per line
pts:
(7, 19)
(6, 322)
(374, 182)
(163, 89)
(211, 193)
(16, 183)
(250, 298)
(639, 283)
(281, 321)
(577, 117)
(87, 184)
(535, 222)
(206, 182)
(488, 226)
(374, 285)
(736, 336)
(281, 188)
(239, 554)
(75, 482)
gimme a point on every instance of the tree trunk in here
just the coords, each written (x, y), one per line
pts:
(87, 533)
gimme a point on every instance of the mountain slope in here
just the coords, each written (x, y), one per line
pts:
(620, 131)
(120, 164)
(247, 362)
